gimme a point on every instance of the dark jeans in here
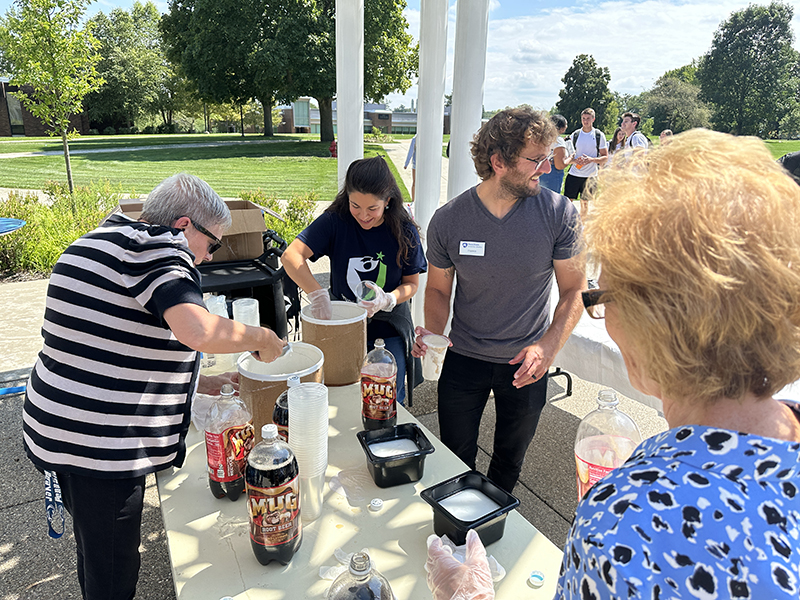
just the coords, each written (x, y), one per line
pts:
(107, 521)
(464, 388)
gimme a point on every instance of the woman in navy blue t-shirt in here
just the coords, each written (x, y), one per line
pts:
(368, 235)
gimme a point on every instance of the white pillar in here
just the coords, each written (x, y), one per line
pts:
(349, 83)
(430, 121)
(469, 69)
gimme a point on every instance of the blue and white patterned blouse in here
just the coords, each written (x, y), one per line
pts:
(696, 512)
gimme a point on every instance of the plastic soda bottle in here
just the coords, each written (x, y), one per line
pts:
(280, 414)
(606, 438)
(273, 499)
(379, 388)
(229, 437)
(360, 582)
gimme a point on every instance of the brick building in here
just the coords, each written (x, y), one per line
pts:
(15, 120)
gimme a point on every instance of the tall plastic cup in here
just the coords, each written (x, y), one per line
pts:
(434, 356)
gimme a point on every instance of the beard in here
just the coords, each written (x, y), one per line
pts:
(519, 186)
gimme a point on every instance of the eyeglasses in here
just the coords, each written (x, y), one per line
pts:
(217, 243)
(594, 302)
(538, 162)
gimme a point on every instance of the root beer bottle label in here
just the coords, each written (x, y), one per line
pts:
(378, 397)
(274, 513)
(227, 452)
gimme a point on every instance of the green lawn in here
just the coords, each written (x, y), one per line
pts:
(281, 168)
(781, 147)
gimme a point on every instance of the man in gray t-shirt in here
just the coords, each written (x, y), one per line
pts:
(505, 238)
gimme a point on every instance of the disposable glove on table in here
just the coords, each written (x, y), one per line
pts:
(450, 579)
(321, 307)
(383, 301)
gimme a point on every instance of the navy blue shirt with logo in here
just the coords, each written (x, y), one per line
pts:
(358, 254)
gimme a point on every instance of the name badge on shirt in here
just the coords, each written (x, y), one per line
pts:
(471, 248)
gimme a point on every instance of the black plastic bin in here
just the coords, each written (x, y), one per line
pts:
(400, 469)
(260, 278)
(489, 527)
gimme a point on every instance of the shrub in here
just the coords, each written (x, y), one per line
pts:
(109, 131)
(297, 212)
(52, 225)
(149, 130)
(94, 132)
(167, 128)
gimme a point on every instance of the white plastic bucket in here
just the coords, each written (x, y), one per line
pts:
(261, 383)
(342, 339)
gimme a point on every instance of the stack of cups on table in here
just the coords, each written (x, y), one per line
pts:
(245, 310)
(217, 306)
(308, 439)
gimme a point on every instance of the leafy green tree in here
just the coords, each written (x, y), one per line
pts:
(133, 65)
(675, 104)
(586, 86)
(749, 75)
(48, 50)
(686, 73)
(218, 46)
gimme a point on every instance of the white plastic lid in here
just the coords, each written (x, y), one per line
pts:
(376, 504)
(269, 431)
(293, 381)
(536, 579)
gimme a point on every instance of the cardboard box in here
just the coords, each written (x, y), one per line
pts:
(241, 241)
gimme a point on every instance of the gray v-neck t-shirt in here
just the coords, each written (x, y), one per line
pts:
(504, 268)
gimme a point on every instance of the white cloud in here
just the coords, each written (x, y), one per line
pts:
(638, 41)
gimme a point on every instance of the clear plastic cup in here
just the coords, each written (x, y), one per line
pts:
(245, 310)
(311, 489)
(434, 356)
(364, 292)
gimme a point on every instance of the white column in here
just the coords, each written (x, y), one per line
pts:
(469, 69)
(430, 122)
(349, 83)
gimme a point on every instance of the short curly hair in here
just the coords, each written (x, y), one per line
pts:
(699, 244)
(507, 133)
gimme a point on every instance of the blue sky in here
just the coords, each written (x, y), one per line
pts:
(532, 43)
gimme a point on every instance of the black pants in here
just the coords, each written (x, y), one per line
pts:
(107, 521)
(464, 388)
(575, 186)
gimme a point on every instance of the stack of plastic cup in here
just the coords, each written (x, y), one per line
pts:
(245, 310)
(308, 424)
(216, 306)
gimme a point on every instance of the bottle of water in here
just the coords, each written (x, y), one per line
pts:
(606, 438)
(360, 582)
(379, 388)
(229, 438)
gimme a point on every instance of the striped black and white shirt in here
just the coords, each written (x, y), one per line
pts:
(110, 394)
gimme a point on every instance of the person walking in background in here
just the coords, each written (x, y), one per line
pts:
(617, 142)
(559, 159)
(368, 235)
(591, 152)
(633, 138)
(109, 399)
(502, 243)
(411, 158)
(665, 136)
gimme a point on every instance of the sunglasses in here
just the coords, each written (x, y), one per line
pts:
(216, 242)
(594, 302)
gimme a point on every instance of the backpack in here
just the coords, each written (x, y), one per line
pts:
(596, 137)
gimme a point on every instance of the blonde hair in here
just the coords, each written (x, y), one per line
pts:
(699, 242)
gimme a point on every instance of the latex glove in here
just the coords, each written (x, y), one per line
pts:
(321, 307)
(448, 579)
(383, 301)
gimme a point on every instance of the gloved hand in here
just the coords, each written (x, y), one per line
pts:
(383, 300)
(448, 579)
(321, 307)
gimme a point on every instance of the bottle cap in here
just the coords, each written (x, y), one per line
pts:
(269, 431)
(536, 579)
(292, 381)
(375, 504)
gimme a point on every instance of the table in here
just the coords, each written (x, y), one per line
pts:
(210, 549)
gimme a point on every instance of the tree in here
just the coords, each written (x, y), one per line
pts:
(48, 50)
(218, 45)
(749, 75)
(133, 65)
(586, 86)
(675, 104)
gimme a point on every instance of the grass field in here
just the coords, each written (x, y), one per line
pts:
(282, 167)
